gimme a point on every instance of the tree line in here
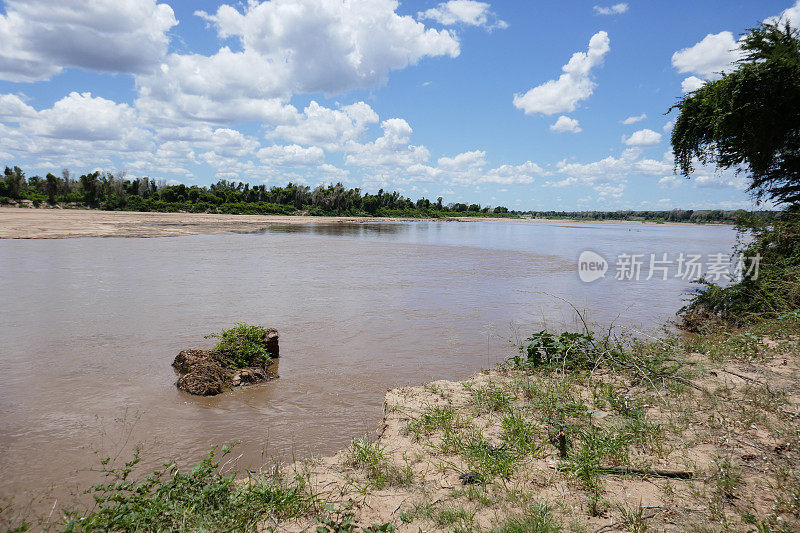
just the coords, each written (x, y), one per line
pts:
(104, 190)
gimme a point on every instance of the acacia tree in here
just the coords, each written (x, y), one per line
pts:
(749, 120)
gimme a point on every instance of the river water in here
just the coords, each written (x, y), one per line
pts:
(89, 327)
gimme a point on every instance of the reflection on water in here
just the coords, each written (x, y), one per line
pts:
(89, 328)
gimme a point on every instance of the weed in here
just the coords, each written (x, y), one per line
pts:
(489, 399)
(485, 458)
(170, 500)
(633, 519)
(371, 457)
(538, 519)
(519, 433)
(435, 419)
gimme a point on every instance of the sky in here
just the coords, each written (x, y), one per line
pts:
(530, 104)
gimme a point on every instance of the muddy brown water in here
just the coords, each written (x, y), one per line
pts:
(89, 327)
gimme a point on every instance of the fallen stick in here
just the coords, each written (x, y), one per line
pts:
(624, 470)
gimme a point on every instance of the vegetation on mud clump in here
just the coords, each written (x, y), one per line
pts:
(244, 355)
(243, 345)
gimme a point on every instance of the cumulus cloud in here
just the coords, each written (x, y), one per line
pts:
(717, 53)
(572, 87)
(611, 169)
(13, 108)
(468, 12)
(291, 155)
(633, 119)
(616, 9)
(692, 83)
(463, 162)
(329, 128)
(714, 54)
(643, 137)
(84, 117)
(40, 37)
(391, 150)
(363, 40)
(670, 182)
(286, 47)
(564, 124)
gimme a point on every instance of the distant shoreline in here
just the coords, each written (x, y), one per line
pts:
(29, 223)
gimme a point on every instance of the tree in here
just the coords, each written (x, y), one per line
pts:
(15, 181)
(51, 188)
(749, 120)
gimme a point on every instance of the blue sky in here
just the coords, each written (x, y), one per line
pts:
(529, 104)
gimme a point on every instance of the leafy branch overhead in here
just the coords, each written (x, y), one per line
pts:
(749, 120)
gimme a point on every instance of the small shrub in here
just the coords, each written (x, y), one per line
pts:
(568, 350)
(203, 499)
(242, 345)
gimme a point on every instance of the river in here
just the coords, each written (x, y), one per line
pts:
(89, 327)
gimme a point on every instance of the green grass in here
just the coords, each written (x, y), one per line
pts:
(373, 459)
(489, 399)
(437, 418)
(521, 434)
(537, 519)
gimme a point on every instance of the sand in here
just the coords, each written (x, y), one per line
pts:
(17, 223)
(43, 223)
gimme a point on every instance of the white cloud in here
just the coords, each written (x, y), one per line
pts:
(291, 155)
(463, 162)
(362, 41)
(670, 182)
(12, 108)
(791, 15)
(714, 54)
(723, 180)
(331, 129)
(83, 117)
(286, 47)
(616, 9)
(392, 150)
(633, 119)
(39, 38)
(572, 87)
(611, 169)
(564, 124)
(692, 83)
(467, 12)
(566, 182)
(643, 137)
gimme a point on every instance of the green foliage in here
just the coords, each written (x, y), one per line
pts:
(568, 350)
(750, 118)
(771, 291)
(203, 499)
(242, 345)
(106, 191)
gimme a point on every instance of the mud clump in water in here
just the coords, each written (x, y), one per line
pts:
(210, 372)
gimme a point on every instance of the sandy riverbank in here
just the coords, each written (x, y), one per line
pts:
(16, 223)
